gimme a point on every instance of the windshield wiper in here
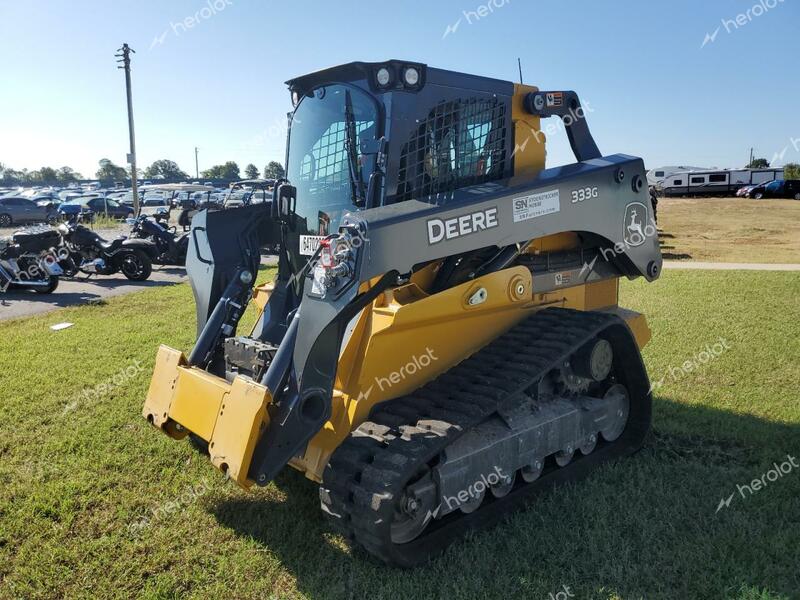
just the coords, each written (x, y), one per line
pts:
(356, 185)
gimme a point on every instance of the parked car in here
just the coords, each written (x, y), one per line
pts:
(153, 204)
(49, 204)
(15, 210)
(757, 191)
(236, 199)
(789, 188)
(70, 194)
(96, 205)
(743, 191)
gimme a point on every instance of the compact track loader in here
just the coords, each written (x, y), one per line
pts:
(443, 338)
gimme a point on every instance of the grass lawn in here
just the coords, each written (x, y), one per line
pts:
(730, 229)
(79, 472)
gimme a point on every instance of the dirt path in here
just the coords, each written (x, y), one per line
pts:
(730, 230)
(721, 266)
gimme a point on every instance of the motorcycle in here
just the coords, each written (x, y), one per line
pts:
(28, 261)
(171, 248)
(89, 253)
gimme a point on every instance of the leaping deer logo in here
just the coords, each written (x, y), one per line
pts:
(635, 216)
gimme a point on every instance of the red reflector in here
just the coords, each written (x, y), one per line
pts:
(326, 254)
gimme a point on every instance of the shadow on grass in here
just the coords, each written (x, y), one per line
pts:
(575, 536)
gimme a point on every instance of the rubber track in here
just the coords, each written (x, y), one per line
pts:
(372, 467)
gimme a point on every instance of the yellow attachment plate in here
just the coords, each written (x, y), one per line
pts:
(242, 418)
(197, 400)
(230, 417)
(159, 396)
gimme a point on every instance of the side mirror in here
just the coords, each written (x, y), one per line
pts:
(284, 200)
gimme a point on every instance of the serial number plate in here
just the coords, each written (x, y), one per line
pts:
(536, 205)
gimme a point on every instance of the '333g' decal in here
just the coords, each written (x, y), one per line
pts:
(586, 193)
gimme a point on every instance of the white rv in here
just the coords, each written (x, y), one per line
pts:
(655, 177)
(715, 182)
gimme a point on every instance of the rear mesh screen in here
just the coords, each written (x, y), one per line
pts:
(460, 143)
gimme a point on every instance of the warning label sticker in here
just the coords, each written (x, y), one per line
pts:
(536, 205)
(554, 99)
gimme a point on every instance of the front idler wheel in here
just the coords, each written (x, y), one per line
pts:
(412, 512)
(618, 412)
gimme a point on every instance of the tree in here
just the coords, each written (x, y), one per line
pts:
(251, 171)
(67, 175)
(758, 163)
(9, 176)
(230, 170)
(164, 169)
(791, 171)
(48, 175)
(108, 171)
(274, 170)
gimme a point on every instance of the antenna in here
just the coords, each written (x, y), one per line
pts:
(519, 66)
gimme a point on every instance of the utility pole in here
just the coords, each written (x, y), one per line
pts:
(519, 66)
(751, 158)
(196, 164)
(126, 64)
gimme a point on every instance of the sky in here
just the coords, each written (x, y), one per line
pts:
(677, 82)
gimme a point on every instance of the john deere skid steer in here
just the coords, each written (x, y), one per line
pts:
(443, 339)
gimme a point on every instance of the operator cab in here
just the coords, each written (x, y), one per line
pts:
(364, 135)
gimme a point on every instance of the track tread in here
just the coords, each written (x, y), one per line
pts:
(435, 415)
